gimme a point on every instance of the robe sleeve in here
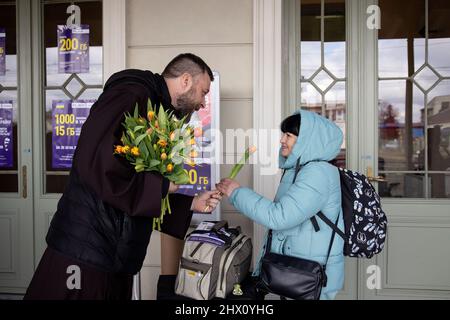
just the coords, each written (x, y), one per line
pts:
(177, 223)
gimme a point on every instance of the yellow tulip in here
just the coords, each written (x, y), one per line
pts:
(135, 151)
(162, 143)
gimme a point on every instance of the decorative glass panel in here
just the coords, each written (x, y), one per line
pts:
(414, 98)
(323, 61)
(73, 80)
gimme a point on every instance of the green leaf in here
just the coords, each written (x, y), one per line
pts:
(140, 138)
(130, 123)
(144, 150)
(149, 105)
(162, 118)
(149, 145)
(153, 163)
(136, 111)
(131, 134)
(138, 128)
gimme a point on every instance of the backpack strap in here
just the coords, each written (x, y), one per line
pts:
(330, 224)
(314, 223)
(329, 248)
(319, 214)
(313, 219)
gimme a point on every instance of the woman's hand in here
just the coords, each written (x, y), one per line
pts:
(206, 201)
(173, 187)
(227, 186)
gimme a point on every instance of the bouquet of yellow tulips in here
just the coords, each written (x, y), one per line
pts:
(160, 142)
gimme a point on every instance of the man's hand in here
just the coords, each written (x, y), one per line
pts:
(173, 187)
(206, 201)
(227, 186)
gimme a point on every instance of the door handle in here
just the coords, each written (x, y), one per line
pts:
(370, 176)
(24, 182)
(377, 179)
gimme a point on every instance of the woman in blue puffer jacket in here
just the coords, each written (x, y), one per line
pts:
(314, 140)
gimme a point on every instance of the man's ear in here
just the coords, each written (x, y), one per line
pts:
(186, 82)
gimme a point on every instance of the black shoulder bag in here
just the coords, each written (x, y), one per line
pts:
(292, 277)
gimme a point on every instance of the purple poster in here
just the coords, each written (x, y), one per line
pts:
(6, 134)
(200, 177)
(67, 119)
(2, 51)
(73, 49)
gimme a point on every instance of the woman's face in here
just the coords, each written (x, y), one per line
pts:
(287, 141)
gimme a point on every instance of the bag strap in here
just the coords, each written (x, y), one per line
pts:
(330, 245)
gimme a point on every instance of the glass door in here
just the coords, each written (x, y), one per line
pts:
(320, 46)
(16, 192)
(68, 37)
(410, 118)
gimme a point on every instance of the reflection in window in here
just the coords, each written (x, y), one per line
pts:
(414, 98)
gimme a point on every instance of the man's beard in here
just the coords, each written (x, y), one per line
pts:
(186, 105)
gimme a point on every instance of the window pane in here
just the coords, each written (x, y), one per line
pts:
(439, 34)
(335, 108)
(8, 99)
(91, 15)
(402, 186)
(8, 141)
(400, 126)
(334, 37)
(311, 99)
(400, 45)
(440, 185)
(310, 38)
(438, 110)
(8, 45)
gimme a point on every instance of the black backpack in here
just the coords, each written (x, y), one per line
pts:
(364, 221)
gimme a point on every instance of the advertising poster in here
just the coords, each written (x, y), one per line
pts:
(2, 51)
(73, 49)
(6, 134)
(67, 119)
(203, 176)
(200, 175)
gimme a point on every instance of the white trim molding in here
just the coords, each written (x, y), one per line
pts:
(114, 37)
(267, 90)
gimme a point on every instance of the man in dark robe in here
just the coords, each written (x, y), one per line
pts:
(99, 234)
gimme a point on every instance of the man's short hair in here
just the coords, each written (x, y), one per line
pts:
(186, 63)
